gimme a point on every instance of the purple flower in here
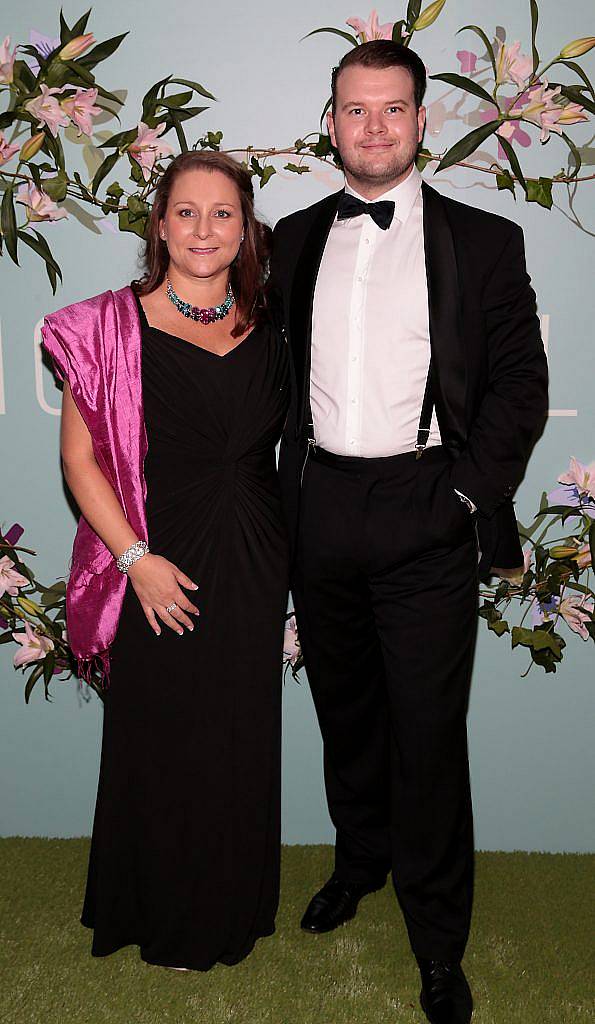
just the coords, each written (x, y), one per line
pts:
(544, 611)
(3, 622)
(14, 535)
(44, 46)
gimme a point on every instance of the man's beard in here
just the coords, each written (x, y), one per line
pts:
(365, 173)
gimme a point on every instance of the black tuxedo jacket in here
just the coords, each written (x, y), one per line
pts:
(489, 366)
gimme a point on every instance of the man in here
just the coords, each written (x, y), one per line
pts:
(420, 387)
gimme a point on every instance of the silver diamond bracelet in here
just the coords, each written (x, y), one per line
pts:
(132, 555)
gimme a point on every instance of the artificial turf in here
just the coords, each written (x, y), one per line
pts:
(530, 959)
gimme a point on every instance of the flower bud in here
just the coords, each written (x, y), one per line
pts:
(563, 551)
(578, 47)
(429, 15)
(31, 146)
(76, 46)
(29, 606)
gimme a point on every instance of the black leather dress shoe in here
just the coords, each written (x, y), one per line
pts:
(445, 994)
(335, 903)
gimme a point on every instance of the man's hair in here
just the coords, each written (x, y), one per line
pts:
(381, 54)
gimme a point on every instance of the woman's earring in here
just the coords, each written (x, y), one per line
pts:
(242, 238)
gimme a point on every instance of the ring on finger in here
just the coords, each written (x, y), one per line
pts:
(171, 607)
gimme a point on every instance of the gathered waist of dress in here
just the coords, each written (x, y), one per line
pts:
(254, 461)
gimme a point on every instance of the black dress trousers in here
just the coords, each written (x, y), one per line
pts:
(386, 594)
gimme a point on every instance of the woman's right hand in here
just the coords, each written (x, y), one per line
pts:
(157, 584)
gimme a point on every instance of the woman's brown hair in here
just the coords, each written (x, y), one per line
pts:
(248, 270)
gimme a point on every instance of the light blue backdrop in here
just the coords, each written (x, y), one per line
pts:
(532, 754)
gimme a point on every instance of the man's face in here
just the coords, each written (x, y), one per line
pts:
(376, 127)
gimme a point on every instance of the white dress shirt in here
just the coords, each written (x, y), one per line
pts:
(370, 332)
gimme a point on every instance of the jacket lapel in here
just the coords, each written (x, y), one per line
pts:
(302, 294)
(449, 376)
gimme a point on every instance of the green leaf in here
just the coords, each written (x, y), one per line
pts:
(267, 174)
(101, 51)
(115, 190)
(398, 28)
(467, 145)
(137, 208)
(121, 140)
(323, 147)
(423, 158)
(5, 638)
(522, 636)
(540, 191)
(78, 29)
(592, 542)
(200, 89)
(499, 628)
(505, 181)
(39, 245)
(534, 23)
(461, 82)
(35, 675)
(8, 225)
(297, 168)
(489, 48)
(334, 31)
(172, 117)
(176, 119)
(413, 9)
(575, 94)
(514, 161)
(104, 169)
(56, 188)
(135, 225)
(574, 153)
(65, 33)
(179, 99)
(578, 70)
(49, 663)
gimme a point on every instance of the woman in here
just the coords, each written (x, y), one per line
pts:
(185, 851)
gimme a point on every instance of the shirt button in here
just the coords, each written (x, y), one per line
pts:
(352, 441)
(354, 359)
(366, 241)
(360, 277)
(354, 401)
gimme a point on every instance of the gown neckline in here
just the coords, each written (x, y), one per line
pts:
(176, 337)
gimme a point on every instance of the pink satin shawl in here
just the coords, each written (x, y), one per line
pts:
(96, 346)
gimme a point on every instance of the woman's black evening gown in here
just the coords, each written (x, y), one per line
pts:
(185, 851)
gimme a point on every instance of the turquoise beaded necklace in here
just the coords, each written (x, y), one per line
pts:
(207, 315)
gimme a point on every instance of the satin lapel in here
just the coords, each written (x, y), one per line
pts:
(302, 294)
(450, 371)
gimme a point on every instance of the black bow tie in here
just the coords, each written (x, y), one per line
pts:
(381, 213)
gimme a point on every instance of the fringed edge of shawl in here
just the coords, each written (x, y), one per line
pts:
(95, 670)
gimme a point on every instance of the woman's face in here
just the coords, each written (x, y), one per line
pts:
(203, 224)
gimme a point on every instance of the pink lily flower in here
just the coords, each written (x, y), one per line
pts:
(10, 580)
(512, 66)
(39, 205)
(291, 644)
(80, 109)
(7, 60)
(541, 108)
(370, 29)
(6, 150)
(467, 59)
(48, 110)
(583, 477)
(34, 647)
(576, 611)
(510, 130)
(146, 148)
(583, 556)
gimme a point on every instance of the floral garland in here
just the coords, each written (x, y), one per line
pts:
(52, 94)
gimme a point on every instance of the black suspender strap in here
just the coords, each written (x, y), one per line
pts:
(425, 419)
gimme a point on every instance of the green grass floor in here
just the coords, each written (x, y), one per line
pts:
(530, 958)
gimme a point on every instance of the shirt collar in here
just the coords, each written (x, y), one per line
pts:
(403, 195)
